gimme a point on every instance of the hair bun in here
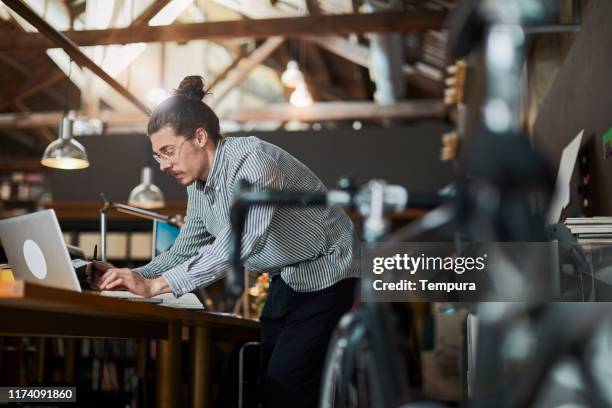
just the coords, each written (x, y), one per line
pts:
(192, 87)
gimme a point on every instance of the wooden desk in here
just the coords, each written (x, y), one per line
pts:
(32, 310)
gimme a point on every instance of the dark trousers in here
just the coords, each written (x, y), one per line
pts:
(296, 328)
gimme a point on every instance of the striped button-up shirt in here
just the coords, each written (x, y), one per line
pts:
(312, 248)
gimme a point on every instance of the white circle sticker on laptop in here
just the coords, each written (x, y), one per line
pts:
(35, 259)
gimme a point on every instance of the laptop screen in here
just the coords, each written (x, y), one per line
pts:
(164, 235)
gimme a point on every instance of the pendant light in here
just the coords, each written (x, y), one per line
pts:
(301, 97)
(65, 152)
(294, 78)
(292, 75)
(146, 194)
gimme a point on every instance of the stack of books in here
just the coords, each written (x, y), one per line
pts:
(591, 230)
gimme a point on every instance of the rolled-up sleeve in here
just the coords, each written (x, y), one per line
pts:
(212, 261)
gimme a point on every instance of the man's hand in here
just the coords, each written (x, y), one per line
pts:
(126, 279)
(94, 271)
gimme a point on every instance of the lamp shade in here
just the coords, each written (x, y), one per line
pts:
(65, 152)
(146, 194)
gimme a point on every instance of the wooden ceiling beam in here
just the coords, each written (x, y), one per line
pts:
(149, 12)
(41, 75)
(316, 75)
(320, 111)
(351, 110)
(219, 30)
(316, 70)
(356, 53)
(42, 78)
(244, 68)
(223, 74)
(360, 55)
(313, 7)
(60, 40)
(30, 88)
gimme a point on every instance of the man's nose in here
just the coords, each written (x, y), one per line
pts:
(164, 165)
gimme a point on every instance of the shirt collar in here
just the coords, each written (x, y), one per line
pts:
(215, 169)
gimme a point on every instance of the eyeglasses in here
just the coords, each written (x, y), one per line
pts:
(167, 156)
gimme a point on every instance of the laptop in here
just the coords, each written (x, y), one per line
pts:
(36, 252)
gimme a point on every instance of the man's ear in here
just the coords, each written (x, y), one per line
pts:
(201, 137)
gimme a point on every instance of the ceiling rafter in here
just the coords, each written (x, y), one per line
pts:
(71, 49)
(38, 82)
(244, 68)
(360, 55)
(318, 79)
(39, 72)
(219, 30)
(90, 98)
(336, 44)
(149, 12)
(348, 110)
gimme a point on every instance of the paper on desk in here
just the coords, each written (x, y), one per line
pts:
(187, 301)
(561, 198)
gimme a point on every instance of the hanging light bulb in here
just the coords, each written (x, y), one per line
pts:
(292, 75)
(65, 152)
(146, 194)
(301, 97)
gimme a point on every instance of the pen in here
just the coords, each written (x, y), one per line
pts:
(95, 252)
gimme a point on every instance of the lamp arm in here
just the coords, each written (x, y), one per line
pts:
(176, 220)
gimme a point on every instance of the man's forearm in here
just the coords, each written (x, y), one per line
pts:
(159, 286)
(158, 265)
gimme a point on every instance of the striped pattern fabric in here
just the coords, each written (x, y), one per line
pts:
(312, 248)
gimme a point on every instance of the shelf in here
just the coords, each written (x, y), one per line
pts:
(90, 210)
(15, 202)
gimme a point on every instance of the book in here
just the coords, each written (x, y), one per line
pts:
(595, 240)
(590, 229)
(589, 220)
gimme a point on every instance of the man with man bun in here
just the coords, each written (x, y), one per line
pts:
(308, 252)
